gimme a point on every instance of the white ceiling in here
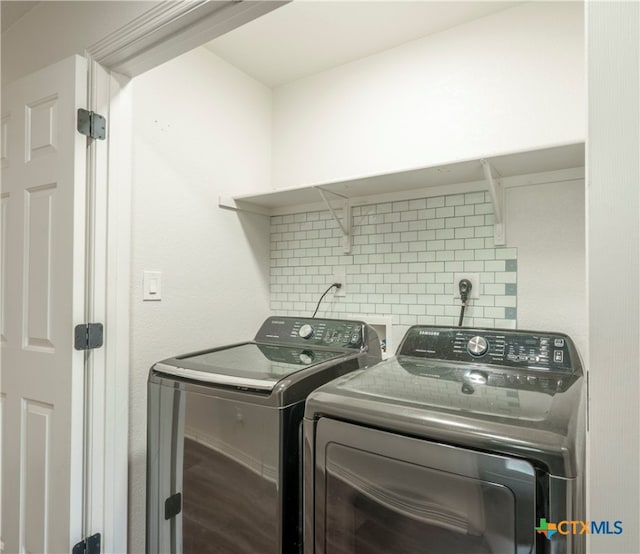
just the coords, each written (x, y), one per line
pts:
(11, 11)
(306, 37)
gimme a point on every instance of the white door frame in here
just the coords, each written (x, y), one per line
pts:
(166, 31)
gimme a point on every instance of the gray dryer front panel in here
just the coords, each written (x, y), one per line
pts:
(377, 491)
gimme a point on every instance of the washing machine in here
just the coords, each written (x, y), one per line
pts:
(224, 435)
(465, 442)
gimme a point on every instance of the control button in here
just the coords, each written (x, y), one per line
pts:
(532, 379)
(306, 331)
(558, 356)
(477, 346)
(533, 358)
(558, 343)
(544, 342)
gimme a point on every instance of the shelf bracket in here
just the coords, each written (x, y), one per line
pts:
(497, 199)
(345, 222)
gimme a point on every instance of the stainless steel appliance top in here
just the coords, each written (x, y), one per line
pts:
(282, 349)
(516, 392)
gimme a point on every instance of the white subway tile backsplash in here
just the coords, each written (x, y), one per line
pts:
(454, 266)
(465, 255)
(445, 212)
(473, 266)
(453, 222)
(475, 220)
(426, 278)
(464, 210)
(454, 200)
(418, 225)
(435, 288)
(505, 277)
(506, 301)
(419, 204)
(474, 197)
(457, 244)
(409, 278)
(402, 264)
(425, 256)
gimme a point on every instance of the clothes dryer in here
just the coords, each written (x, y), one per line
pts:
(224, 434)
(465, 442)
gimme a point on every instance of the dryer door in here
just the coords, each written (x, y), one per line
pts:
(381, 492)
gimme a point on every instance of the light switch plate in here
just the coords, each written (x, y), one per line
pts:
(151, 285)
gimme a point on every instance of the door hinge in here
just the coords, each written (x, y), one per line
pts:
(173, 505)
(91, 124)
(90, 545)
(88, 336)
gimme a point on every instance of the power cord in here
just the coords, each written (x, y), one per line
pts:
(336, 285)
(465, 288)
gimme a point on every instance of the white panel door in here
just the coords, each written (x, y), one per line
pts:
(42, 289)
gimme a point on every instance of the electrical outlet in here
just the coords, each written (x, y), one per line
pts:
(475, 285)
(340, 276)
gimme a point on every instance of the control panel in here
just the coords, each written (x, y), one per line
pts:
(549, 383)
(515, 349)
(330, 333)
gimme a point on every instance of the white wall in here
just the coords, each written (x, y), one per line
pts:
(201, 128)
(53, 31)
(613, 249)
(546, 224)
(511, 81)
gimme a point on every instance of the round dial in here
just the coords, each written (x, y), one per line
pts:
(477, 346)
(306, 357)
(306, 331)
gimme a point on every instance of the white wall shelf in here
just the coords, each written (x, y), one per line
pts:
(413, 183)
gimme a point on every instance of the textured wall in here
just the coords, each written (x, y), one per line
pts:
(214, 262)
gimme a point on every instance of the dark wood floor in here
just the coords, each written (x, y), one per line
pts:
(227, 509)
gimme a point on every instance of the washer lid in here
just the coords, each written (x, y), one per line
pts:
(250, 365)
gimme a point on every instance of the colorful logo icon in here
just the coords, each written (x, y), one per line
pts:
(547, 529)
(578, 527)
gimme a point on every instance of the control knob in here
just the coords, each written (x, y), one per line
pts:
(307, 357)
(306, 331)
(477, 346)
